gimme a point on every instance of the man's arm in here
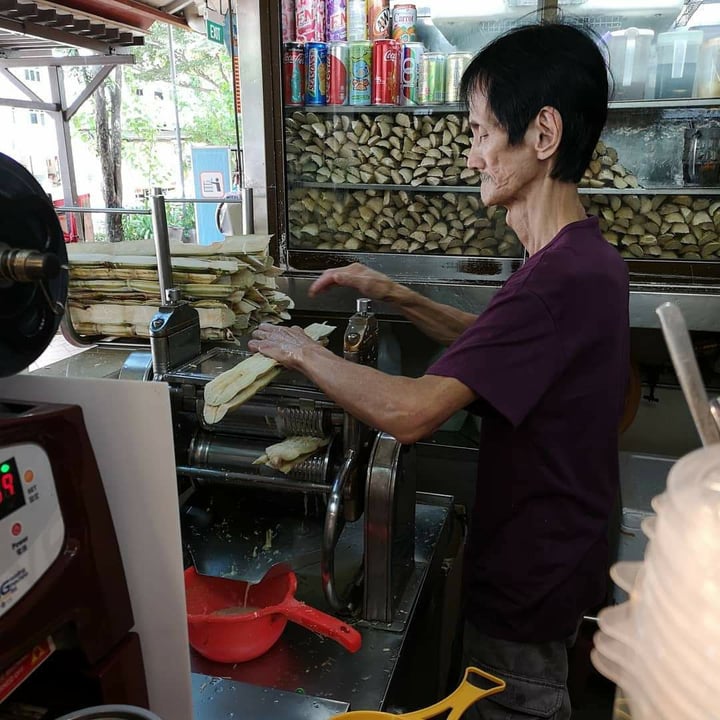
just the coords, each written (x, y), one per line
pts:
(407, 408)
(442, 323)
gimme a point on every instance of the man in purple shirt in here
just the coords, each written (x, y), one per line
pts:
(545, 365)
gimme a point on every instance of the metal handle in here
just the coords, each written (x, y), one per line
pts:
(331, 533)
(682, 354)
(162, 246)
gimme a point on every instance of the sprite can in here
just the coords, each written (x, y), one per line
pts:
(432, 78)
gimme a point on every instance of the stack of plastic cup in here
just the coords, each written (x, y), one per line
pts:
(662, 647)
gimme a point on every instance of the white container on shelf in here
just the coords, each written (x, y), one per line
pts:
(677, 58)
(707, 81)
(629, 60)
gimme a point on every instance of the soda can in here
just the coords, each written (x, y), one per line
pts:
(404, 18)
(432, 78)
(310, 20)
(338, 61)
(455, 67)
(378, 18)
(335, 20)
(294, 73)
(412, 54)
(357, 27)
(386, 72)
(288, 20)
(360, 72)
(316, 60)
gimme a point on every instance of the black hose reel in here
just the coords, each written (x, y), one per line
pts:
(33, 269)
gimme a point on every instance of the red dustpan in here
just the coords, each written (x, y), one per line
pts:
(234, 621)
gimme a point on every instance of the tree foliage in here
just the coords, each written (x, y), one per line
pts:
(121, 121)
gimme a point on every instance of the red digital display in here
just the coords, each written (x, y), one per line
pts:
(11, 492)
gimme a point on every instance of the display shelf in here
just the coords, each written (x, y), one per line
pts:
(677, 190)
(348, 187)
(664, 104)
(665, 190)
(378, 109)
(661, 104)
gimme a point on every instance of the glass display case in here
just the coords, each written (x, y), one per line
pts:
(363, 172)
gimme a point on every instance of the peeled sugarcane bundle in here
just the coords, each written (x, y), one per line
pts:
(237, 385)
(132, 320)
(285, 455)
(237, 272)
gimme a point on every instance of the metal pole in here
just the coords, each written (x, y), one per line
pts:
(178, 135)
(162, 245)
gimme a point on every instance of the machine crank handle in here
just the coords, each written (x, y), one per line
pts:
(331, 533)
(322, 623)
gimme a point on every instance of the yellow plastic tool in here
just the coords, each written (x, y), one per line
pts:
(457, 702)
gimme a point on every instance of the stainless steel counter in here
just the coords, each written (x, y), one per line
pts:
(302, 661)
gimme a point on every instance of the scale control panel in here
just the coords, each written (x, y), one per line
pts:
(32, 530)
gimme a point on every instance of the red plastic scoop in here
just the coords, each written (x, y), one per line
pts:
(233, 621)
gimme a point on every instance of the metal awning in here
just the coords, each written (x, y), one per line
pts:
(102, 26)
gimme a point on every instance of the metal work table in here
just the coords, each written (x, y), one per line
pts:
(302, 661)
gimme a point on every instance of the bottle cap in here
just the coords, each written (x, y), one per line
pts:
(364, 305)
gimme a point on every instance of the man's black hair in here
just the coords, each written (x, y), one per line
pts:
(549, 64)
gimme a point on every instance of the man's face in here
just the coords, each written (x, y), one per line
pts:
(504, 169)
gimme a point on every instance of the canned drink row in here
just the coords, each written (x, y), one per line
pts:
(383, 72)
(347, 20)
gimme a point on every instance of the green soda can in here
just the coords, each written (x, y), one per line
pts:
(360, 72)
(432, 78)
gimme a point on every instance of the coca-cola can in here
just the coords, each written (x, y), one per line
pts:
(338, 61)
(378, 18)
(336, 20)
(404, 18)
(294, 73)
(386, 72)
(310, 20)
(412, 54)
(288, 20)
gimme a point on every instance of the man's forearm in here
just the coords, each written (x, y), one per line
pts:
(442, 323)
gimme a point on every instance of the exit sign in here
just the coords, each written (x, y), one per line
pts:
(215, 32)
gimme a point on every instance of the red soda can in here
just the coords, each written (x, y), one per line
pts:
(288, 20)
(294, 73)
(338, 60)
(386, 72)
(310, 20)
(336, 20)
(378, 13)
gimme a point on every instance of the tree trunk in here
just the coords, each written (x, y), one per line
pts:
(108, 127)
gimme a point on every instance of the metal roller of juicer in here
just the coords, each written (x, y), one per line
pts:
(33, 269)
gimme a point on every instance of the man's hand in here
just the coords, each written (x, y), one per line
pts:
(369, 283)
(287, 345)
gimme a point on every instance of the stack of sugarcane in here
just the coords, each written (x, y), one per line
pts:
(114, 287)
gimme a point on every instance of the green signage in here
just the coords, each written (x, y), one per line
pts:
(215, 32)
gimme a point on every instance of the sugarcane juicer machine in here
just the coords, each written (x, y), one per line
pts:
(360, 475)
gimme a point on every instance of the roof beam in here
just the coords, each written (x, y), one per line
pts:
(20, 85)
(49, 61)
(50, 33)
(30, 104)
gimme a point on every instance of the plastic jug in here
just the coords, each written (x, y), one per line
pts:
(629, 59)
(677, 57)
(708, 69)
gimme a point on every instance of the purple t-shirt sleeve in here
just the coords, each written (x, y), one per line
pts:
(509, 356)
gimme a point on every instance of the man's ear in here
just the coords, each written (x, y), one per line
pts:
(548, 127)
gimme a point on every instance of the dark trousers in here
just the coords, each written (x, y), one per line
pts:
(536, 677)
